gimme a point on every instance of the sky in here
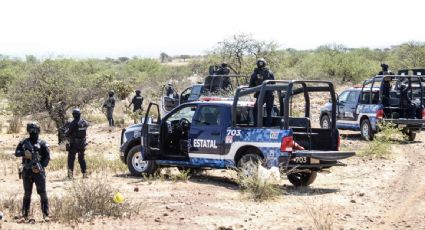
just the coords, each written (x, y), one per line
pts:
(103, 28)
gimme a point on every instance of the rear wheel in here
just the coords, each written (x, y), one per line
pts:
(366, 130)
(325, 122)
(302, 178)
(248, 164)
(136, 165)
(411, 136)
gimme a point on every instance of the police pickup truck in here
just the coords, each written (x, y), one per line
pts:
(387, 98)
(218, 133)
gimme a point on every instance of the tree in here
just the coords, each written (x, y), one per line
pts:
(409, 55)
(54, 87)
(243, 47)
(184, 57)
(164, 57)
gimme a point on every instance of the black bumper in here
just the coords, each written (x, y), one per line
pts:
(315, 159)
(411, 124)
(324, 155)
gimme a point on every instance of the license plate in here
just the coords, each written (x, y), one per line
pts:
(300, 160)
(402, 126)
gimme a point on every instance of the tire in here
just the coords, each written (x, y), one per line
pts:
(302, 178)
(248, 164)
(325, 122)
(138, 167)
(411, 136)
(366, 130)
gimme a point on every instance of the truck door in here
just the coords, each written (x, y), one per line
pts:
(150, 133)
(208, 131)
(351, 106)
(184, 96)
(170, 98)
(342, 101)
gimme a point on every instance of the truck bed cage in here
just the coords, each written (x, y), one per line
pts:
(419, 79)
(286, 89)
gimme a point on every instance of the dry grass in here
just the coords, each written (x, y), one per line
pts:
(87, 199)
(254, 187)
(10, 204)
(320, 214)
(15, 125)
(95, 163)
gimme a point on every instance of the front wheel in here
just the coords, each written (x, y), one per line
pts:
(302, 178)
(366, 130)
(137, 166)
(325, 122)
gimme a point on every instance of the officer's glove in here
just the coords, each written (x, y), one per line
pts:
(28, 155)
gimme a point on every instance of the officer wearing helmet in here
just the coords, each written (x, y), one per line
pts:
(224, 70)
(170, 91)
(110, 105)
(137, 103)
(385, 70)
(261, 74)
(76, 134)
(35, 155)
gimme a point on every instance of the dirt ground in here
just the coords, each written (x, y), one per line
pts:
(370, 193)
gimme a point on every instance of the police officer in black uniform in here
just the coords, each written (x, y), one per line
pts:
(385, 70)
(110, 105)
(137, 103)
(35, 155)
(224, 70)
(76, 133)
(261, 74)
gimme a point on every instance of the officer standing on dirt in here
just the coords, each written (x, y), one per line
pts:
(76, 133)
(35, 155)
(110, 105)
(137, 103)
(261, 74)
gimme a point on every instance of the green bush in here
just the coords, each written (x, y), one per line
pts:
(381, 145)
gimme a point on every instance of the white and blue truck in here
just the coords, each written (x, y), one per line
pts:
(217, 133)
(398, 99)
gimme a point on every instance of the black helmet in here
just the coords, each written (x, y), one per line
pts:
(224, 64)
(76, 113)
(138, 91)
(261, 63)
(111, 93)
(33, 128)
(384, 67)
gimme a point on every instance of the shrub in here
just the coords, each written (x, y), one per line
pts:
(87, 199)
(15, 125)
(388, 134)
(255, 187)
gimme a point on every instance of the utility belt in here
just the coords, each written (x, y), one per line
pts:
(35, 167)
(78, 142)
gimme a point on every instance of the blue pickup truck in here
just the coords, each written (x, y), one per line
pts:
(219, 133)
(384, 98)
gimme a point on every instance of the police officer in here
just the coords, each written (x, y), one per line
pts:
(261, 74)
(224, 70)
(35, 155)
(110, 105)
(385, 70)
(170, 90)
(76, 133)
(137, 103)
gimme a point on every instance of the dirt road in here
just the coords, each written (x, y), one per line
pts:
(370, 193)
